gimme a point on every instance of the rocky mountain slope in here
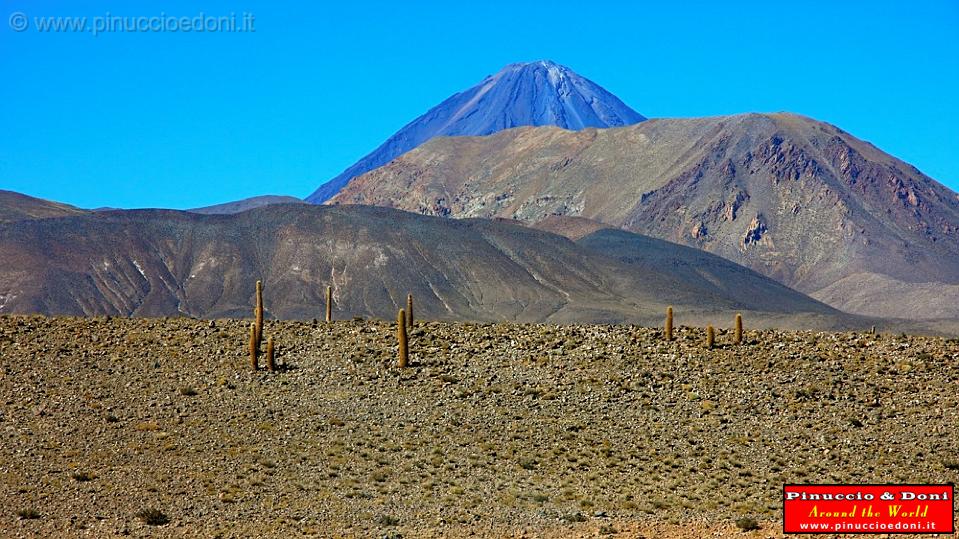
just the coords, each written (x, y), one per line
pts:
(18, 207)
(532, 93)
(798, 200)
(161, 262)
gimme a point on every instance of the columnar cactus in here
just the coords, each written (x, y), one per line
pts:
(329, 303)
(710, 337)
(253, 347)
(669, 323)
(738, 339)
(404, 353)
(270, 359)
(259, 313)
(409, 310)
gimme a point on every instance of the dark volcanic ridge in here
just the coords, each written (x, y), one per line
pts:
(162, 262)
(531, 93)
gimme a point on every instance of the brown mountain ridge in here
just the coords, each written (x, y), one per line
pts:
(797, 200)
(19, 207)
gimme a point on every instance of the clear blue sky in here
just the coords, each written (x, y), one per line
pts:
(182, 120)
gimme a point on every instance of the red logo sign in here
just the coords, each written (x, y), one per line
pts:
(868, 509)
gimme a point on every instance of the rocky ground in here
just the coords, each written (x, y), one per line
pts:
(159, 427)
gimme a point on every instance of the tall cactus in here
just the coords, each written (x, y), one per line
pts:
(710, 337)
(404, 352)
(738, 338)
(409, 310)
(329, 303)
(270, 358)
(253, 347)
(259, 313)
(669, 323)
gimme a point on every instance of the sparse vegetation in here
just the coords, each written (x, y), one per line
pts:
(607, 529)
(254, 349)
(82, 476)
(403, 351)
(669, 323)
(329, 304)
(152, 517)
(387, 520)
(28, 514)
(747, 524)
(574, 517)
(270, 358)
(738, 337)
(409, 310)
(258, 314)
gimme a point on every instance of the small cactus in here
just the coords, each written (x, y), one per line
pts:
(329, 303)
(404, 353)
(738, 338)
(409, 310)
(259, 313)
(270, 358)
(253, 347)
(669, 323)
(710, 337)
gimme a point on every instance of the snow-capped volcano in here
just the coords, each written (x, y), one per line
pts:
(531, 93)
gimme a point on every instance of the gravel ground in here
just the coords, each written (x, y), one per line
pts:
(497, 430)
